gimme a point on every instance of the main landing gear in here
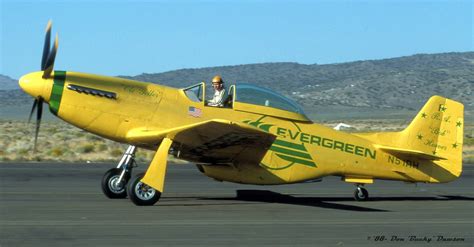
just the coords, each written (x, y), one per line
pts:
(143, 189)
(361, 194)
(115, 180)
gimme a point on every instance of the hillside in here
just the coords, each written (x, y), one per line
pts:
(397, 83)
(361, 89)
(7, 83)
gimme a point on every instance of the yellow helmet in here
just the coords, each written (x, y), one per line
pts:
(217, 79)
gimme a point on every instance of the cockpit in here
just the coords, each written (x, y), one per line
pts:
(251, 98)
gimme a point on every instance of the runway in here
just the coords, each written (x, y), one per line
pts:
(62, 205)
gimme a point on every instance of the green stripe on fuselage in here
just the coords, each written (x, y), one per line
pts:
(290, 152)
(57, 91)
(296, 160)
(289, 145)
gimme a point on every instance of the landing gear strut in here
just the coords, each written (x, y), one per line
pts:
(115, 180)
(361, 194)
(145, 189)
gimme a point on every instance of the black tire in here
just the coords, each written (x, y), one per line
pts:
(361, 194)
(108, 184)
(140, 193)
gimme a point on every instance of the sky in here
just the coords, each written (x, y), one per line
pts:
(133, 37)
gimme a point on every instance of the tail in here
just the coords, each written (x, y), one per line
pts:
(436, 133)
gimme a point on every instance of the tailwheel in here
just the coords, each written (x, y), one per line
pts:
(140, 193)
(114, 182)
(361, 194)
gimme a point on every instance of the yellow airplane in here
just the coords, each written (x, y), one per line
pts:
(258, 137)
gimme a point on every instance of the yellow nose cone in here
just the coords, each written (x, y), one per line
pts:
(35, 85)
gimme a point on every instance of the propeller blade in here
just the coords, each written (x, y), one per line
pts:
(39, 114)
(35, 103)
(47, 46)
(51, 58)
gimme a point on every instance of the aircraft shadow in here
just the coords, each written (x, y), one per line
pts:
(266, 196)
(424, 198)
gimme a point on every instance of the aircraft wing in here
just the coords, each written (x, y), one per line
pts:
(213, 141)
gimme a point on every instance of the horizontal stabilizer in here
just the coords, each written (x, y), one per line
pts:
(434, 136)
(409, 152)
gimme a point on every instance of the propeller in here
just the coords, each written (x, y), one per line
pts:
(47, 45)
(39, 113)
(49, 53)
(47, 64)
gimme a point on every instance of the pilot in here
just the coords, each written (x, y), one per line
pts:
(219, 92)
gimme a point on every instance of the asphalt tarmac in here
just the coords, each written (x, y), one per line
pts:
(62, 205)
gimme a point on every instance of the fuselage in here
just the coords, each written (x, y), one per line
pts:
(112, 107)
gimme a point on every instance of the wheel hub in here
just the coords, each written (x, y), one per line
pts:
(144, 192)
(115, 185)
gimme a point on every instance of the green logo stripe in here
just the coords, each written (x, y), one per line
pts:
(279, 168)
(290, 152)
(296, 160)
(289, 145)
(57, 91)
(255, 123)
(265, 127)
(287, 151)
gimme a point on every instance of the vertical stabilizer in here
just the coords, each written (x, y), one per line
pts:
(438, 130)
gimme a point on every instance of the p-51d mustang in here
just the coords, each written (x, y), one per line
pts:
(259, 137)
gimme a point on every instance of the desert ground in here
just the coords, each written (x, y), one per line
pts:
(59, 141)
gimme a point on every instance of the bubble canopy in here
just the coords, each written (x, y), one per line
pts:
(252, 98)
(256, 95)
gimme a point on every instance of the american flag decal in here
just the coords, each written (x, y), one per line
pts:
(195, 112)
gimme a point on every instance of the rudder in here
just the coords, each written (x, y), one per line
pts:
(438, 130)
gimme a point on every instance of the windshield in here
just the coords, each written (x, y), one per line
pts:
(252, 94)
(195, 92)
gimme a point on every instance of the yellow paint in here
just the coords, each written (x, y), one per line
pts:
(272, 146)
(155, 175)
(358, 180)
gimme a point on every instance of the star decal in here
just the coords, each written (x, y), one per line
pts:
(458, 124)
(423, 115)
(442, 108)
(419, 136)
(455, 145)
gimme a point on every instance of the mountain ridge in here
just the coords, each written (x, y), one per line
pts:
(7, 83)
(402, 83)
